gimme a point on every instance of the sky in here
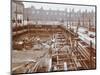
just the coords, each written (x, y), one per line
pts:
(58, 6)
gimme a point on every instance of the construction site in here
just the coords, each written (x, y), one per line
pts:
(53, 47)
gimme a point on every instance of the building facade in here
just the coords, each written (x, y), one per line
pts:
(17, 13)
(72, 17)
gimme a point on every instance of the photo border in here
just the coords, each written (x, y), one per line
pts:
(58, 4)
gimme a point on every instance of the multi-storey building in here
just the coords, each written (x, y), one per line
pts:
(72, 17)
(17, 13)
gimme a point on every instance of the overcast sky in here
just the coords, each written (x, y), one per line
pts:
(58, 6)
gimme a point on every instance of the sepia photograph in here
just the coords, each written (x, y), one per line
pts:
(52, 37)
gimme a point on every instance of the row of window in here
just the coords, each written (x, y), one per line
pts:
(49, 13)
(18, 21)
(57, 13)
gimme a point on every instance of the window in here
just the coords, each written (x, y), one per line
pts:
(64, 14)
(55, 13)
(37, 12)
(13, 21)
(47, 13)
(33, 12)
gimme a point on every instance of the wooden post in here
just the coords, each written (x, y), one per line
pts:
(91, 54)
(23, 15)
(67, 25)
(16, 18)
(50, 64)
(65, 66)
